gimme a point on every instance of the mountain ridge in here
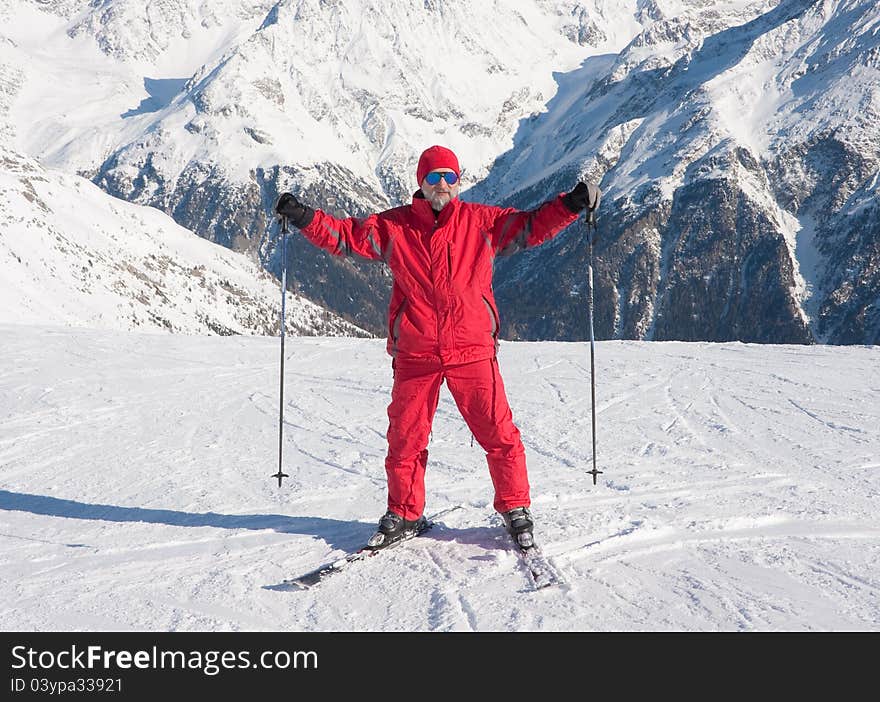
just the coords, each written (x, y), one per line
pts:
(757, 115)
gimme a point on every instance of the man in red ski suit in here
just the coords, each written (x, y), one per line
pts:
(443, 324)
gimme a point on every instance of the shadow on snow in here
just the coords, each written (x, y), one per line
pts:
(336, 533)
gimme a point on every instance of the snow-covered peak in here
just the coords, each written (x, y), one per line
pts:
(365, 85)
(361, 84)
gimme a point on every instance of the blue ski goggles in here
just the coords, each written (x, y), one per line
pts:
(434, 178)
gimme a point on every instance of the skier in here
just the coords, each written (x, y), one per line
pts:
(443, 325)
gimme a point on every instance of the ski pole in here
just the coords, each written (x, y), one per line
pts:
(280, 474)
(591, 230)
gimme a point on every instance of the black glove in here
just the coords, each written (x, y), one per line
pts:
(299, 215)
(585, 196)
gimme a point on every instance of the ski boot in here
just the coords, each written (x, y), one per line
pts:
(393, 528)
(520, 526)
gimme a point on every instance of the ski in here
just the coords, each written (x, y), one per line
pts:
(541, 572)
(320, 574)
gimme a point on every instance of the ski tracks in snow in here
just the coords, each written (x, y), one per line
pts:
(740, 488)
(713, 431)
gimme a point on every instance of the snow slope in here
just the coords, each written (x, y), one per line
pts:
(71, 254)
(740, 492)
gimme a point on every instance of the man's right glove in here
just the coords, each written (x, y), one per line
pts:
(299, 215)
(585, 196)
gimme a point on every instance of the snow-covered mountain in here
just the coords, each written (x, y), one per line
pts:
(738, 145)
(71, 254)
(207, 112)
(736, 141)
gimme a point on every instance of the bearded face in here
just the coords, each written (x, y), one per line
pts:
(441, 194)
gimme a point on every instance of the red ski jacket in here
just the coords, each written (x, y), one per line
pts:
(442, 305)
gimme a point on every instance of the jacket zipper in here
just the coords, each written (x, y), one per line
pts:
(434, 285)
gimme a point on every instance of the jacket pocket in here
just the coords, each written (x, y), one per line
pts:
(395, 320)
(493, 317)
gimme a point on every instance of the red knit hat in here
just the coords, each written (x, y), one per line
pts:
(436, 157)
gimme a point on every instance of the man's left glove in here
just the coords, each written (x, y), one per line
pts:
(299, 214)
(585, 196)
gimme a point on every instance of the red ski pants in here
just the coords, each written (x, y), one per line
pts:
(479, 393)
